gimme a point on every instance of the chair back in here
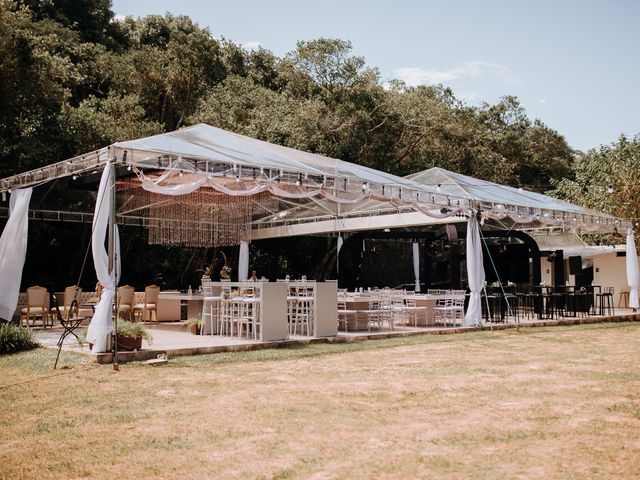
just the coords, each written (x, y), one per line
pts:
(71, 294)
(610, 290)
(151, 294)
(36, 297)
(125, 295)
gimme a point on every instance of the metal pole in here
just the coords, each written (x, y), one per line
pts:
(112, 260)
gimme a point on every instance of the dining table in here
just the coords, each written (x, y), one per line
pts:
(357, 306)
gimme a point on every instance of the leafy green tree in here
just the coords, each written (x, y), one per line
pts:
(97, 122)
(93, 20)
(37, 74)
(607, 179)
(170, 65)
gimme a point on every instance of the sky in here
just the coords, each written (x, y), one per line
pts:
(575, 65)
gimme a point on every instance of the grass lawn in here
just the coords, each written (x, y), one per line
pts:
(558, 402)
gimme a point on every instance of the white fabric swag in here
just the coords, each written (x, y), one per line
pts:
(475, 272)
(416, 265)
(243, 262)
(633, 274)
(13, 249)
(101, 323)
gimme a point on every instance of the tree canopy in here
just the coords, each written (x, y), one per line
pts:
(74, 78)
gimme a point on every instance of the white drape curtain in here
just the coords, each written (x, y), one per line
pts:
(339, 243)
(475, 272)
(101, 324)
(416, 265)
(13, 249)
(243, 262)
(633, 274)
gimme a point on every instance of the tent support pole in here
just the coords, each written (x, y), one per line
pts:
(112, 262)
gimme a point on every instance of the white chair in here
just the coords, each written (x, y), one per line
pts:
(443, 304)
(410, 308)
(379, 313)
(344, 315)
(451, 311)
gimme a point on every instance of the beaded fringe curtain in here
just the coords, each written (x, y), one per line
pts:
(204, 218)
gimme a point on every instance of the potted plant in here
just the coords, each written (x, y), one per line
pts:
(130, 335)
(195, 325)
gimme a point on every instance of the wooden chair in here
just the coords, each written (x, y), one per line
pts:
(149, 304)
(68, 308)
(125, 301)
(36, 306)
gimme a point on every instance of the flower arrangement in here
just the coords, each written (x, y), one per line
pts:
(225, 272)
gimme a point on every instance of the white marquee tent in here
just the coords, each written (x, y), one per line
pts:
(202, 185)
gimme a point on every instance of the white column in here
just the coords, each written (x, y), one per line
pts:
(633, 275)
(13, 250)
(243, 262)
(338, 247)
(101, 324)
(475, 272)
(416, 265)
(117, 257)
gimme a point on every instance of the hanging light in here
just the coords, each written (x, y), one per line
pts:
(439, 188)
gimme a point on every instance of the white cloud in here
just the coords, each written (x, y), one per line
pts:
(251, 45)
(543, 100)
(414, 76)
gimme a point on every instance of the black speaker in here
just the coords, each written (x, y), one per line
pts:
(575, 265)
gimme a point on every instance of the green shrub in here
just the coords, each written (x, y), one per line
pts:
(133, 330)
(14, 338)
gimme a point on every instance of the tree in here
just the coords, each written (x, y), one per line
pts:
(97, 122)
(93, 20)
(607, 179)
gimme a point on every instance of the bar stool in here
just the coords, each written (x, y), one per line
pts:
(247, 317)
(624, 299)
(301, 305)
(210, 308)
(605, 301)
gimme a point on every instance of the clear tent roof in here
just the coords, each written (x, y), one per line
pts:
(279, 186)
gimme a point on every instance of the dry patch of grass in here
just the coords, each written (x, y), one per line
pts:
(539, 403)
